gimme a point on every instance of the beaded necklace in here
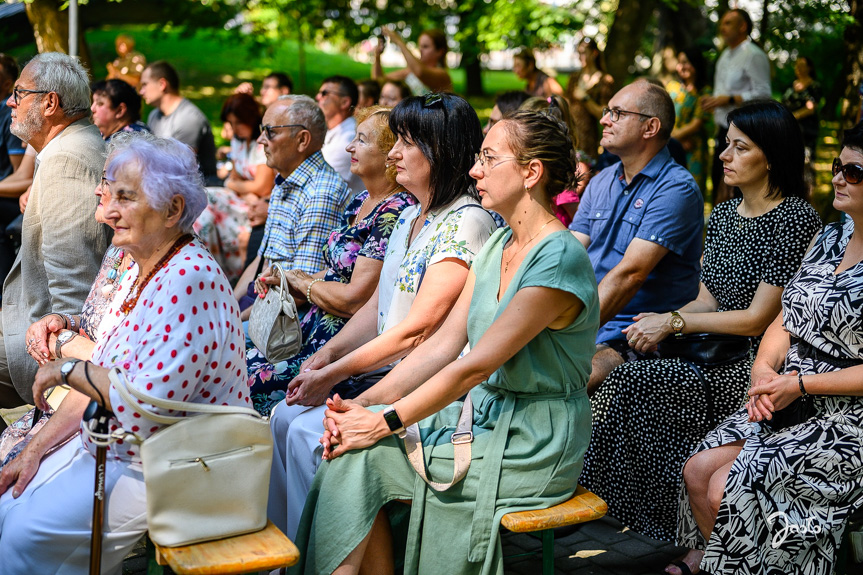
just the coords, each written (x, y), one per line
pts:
(130, 301)
(114, 277)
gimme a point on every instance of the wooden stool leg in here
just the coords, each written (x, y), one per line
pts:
(153, 567)
(548, 552)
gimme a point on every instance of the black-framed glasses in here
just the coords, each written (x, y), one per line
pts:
(325, 93)
(853, 173)
(16, 93)
(268, 130)
(485, 158)
(616, 113)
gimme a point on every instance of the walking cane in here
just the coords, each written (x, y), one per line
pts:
(97, 418)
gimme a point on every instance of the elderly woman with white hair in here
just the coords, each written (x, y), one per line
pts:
(173, 294)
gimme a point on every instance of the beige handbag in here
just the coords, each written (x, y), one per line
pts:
(274, 325)
(207, 476)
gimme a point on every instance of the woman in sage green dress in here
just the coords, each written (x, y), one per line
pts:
(529, 311)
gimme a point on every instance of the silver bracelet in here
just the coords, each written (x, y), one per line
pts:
(70, 321)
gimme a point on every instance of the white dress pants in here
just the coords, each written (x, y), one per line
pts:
(297, 452)
(47, 529)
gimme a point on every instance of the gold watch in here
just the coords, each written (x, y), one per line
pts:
(677, 323)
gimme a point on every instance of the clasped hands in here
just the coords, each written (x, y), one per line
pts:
(770, 392)
(349, 425)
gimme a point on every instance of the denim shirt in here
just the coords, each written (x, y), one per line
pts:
(662, 204)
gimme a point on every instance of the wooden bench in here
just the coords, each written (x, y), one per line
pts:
(263, 550)
(583, 507)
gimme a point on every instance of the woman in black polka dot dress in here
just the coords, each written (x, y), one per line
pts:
(650, 415)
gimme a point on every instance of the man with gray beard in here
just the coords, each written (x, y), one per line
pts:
(61, 243)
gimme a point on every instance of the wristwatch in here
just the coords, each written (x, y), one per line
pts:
(66, 370)
(62, 339)
(394, 422)
(677, 323)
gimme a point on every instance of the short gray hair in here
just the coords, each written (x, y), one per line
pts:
(165, 167)
(655, 101)
(304, 110)
(63, 74)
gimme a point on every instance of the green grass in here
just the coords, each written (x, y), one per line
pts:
(211, 64)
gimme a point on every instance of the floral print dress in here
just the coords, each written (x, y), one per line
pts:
(687, 107)
(367, 238)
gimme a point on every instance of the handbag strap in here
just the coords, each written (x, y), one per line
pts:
(283, 282)
(708, 398)
(461, 439)
(131, 394)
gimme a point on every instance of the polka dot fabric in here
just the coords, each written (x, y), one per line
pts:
(649, 415)
(183, 341)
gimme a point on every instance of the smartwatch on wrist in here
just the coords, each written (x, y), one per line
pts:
(66, 370)
(61, 340)
(394, 422)
(677, 323)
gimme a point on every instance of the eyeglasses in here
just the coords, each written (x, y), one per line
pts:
(325, 93)
(104, 186)
(16, 93)
(268, 130)
(853, 173)
(616, 113)
(485, 158)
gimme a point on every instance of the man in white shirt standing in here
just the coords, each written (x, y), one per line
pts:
(337, 98)
(742, 74)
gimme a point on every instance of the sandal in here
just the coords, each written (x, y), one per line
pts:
(684, 568)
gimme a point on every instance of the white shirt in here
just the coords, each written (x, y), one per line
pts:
(335, 142)
(457, 230)
(741, 71)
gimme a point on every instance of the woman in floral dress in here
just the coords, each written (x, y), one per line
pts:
(226, 224)
(691, 123)
(354, 255)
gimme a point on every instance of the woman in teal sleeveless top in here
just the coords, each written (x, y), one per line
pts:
(529, 312)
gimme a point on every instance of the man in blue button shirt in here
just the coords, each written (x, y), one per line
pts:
(641, 221)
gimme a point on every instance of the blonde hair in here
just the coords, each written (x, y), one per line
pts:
(385, 139)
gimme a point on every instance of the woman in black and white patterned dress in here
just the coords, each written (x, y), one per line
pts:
(777, 501)
(649, 415)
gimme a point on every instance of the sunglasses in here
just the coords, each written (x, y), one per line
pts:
(268, 130)
(325, 93)
(853, 173)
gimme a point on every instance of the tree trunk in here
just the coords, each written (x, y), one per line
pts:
(764, 25)
(853, 67)
(51, 29)
(624, 38)
(472, 67)
(679, 28)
